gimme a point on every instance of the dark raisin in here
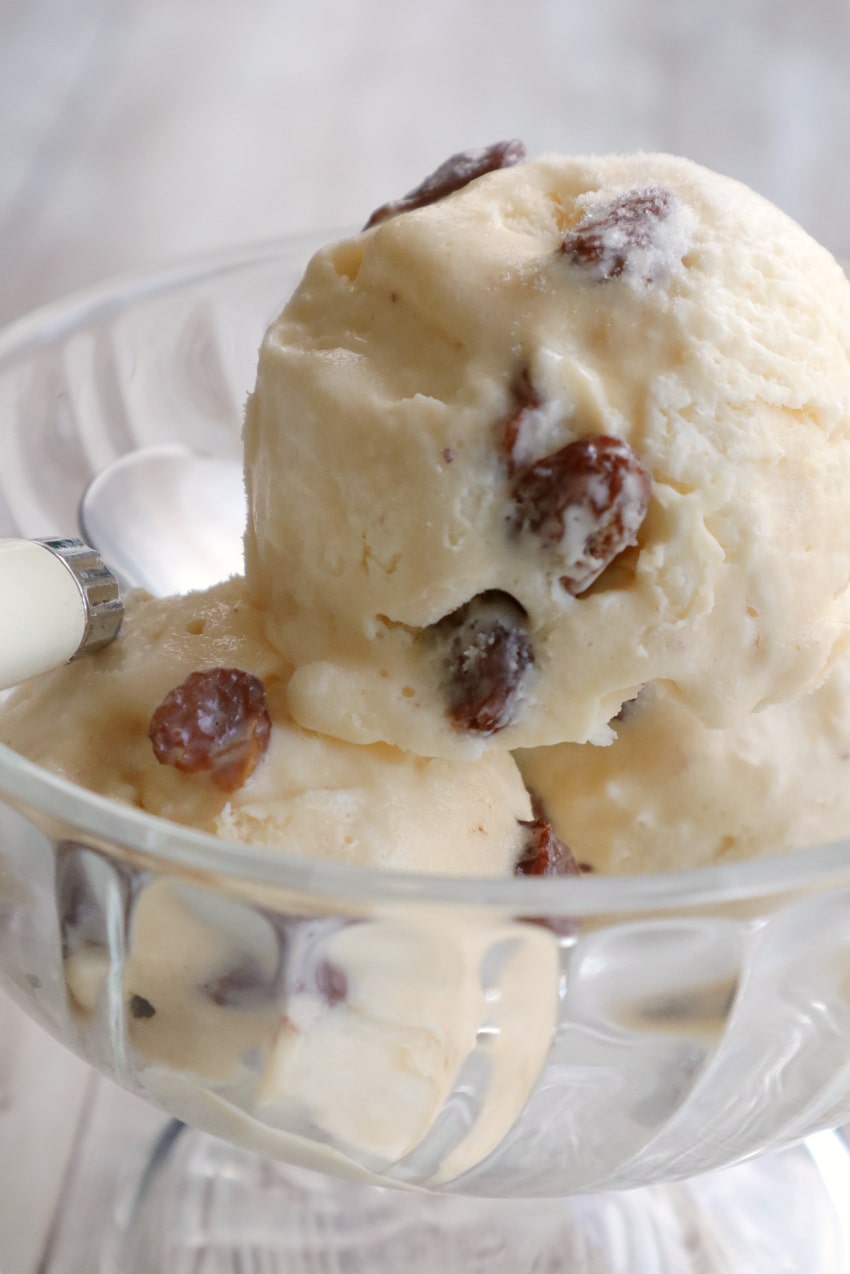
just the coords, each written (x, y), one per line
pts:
(511, 444)
(545, 854)
(331, 982)
(215, 721)
(610, 239)
(587, 502)
(309, 970)
(457, 171)
(488, 658)
(242, 986)
(140, 1008)
(323, 978)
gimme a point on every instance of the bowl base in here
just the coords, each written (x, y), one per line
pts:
(201, 1206)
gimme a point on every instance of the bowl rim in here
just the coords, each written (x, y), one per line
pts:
(38, 792)
(48, 797)
(116, 292)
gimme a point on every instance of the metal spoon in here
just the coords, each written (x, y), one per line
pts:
(167, 519)
(60, 601)
(161, 518)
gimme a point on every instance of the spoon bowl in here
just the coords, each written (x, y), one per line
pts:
(167, 519)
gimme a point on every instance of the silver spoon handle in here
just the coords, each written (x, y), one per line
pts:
(59, 601)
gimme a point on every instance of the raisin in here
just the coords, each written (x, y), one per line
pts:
(511, 442)
(612, 239)
(140, 1008)
(243, 986)
(323, 978)
(488, 659)
(331, 983)
(216, 721)
(587, 502)
(457, 171)
(545, 854)
(309, 970)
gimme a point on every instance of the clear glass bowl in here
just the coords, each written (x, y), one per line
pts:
(499, 1037)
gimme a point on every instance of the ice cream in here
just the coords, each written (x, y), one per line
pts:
(352, 1033)
(670, 793)
(548, 463)
(545, 437)
(581, 425)
(314, 795)
(223, 997)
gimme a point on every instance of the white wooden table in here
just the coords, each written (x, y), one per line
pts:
(130, 133)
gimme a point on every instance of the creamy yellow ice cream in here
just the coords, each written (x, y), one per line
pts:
(670, 793)
(227, 993)
(555, 463)
(421, 390)
(310, 795)
(354, 1033)
(577, 430)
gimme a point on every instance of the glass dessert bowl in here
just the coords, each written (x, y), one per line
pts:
(499, 1038)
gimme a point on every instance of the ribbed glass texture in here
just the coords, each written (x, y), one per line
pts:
(519, 1037)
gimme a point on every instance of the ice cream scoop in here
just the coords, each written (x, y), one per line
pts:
(60, 601)
(669, 793)
(580, 425)
(102, 724)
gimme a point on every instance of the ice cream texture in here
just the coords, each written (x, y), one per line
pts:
(547, 569)
(579, 426)
(671, 793)
(310, 794)
(394, 1005)
(550, 458)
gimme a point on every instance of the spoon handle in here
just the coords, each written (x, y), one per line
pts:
(59, 602)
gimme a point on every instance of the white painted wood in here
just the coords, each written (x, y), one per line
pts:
(42, 1090)
(134, 132)
(137, 132)
(115, 1135)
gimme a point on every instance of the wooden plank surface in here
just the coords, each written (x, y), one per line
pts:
(132, 133)
(137, 132)
(42, 1094)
